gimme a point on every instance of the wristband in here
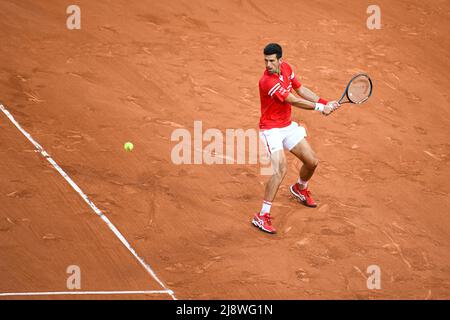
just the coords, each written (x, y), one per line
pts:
(319, 107)
(322, 101)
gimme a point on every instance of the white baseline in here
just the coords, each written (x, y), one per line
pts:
(64, 293)
(88, 201)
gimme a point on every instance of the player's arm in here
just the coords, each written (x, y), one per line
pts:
(304, 92)
(309, 105)
(300, 102)
(320, 104)
(307, 94)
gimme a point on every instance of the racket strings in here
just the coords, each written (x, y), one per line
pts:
(359, 89)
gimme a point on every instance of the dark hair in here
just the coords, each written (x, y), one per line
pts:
(273, 48)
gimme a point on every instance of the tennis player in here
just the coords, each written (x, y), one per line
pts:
(278, 132)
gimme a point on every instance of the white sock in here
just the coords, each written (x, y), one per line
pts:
(266, 207)
(303, 184)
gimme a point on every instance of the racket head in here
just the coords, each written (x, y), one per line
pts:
(359, 89)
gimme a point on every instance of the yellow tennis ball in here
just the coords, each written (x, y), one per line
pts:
(128, 146)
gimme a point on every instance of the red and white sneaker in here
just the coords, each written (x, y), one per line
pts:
(303, 195)
(264, 222)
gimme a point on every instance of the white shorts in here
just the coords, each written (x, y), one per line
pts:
(278, 138)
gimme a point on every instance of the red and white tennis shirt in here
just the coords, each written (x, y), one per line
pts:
(273, 91)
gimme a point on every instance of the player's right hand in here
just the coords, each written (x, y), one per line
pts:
(330, 107)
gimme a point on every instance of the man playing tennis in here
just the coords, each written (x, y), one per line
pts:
(278, 132)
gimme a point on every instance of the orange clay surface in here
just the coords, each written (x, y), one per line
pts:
(136, 71)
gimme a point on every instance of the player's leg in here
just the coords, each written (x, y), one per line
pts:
(304, 152)
(263, 219)
(297, 144)
(279, 166)
(274, 144)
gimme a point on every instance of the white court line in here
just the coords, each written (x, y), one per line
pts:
(64, 293)
(89, 202)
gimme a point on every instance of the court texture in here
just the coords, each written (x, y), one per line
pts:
(139, 226)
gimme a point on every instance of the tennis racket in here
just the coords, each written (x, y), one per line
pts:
(358, 90)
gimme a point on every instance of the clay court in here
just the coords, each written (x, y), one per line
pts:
(137, 71)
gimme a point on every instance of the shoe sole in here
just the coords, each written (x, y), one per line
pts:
(256, 224)
(301, 198)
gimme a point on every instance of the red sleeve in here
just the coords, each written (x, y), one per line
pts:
(275, 90)
(295, 83)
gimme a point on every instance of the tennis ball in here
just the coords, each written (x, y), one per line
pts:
(128, 146)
